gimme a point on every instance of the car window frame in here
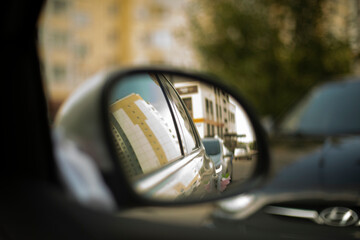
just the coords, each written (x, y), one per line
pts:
(177, 130)
(198, 143)
(173, 116)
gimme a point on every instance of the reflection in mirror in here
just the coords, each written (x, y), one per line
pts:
(180, 138)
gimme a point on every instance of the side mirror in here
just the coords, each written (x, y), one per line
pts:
(144, 129)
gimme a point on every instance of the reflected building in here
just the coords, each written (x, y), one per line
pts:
(210, 108)
(143, 138)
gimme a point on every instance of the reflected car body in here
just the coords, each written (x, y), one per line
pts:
(318, 147)
(220, 155)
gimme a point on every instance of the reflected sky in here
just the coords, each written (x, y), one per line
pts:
(243, 124)
(146, 87)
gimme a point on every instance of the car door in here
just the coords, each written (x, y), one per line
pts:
(201, 181)
(156, 140)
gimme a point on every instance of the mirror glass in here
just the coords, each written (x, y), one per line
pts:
(180, 138)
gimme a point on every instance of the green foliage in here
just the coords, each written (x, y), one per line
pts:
(273, 51)
(225, 175)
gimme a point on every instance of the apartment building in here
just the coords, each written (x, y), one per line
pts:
(143, 139)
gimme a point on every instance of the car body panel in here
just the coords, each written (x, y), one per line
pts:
(312, 172)
(219, 154)
(333, 165)
(192, 175)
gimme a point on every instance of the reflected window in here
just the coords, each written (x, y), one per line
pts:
(188, 104)
(142, 125)
(207, 105)
(211, 109)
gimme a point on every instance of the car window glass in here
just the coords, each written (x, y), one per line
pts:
(142, 125)
(212, 147)
(331, 109)
(188, 135)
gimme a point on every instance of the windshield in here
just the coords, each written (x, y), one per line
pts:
(212, 147)
(329, 110)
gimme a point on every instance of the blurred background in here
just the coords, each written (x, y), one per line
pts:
(272, 51)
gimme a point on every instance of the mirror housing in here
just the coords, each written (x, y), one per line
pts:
(84, 119)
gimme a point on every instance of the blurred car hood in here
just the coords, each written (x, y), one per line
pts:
(329, 165)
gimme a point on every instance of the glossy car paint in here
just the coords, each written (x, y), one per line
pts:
(214, 150)
(321, 174)
(219, 154)
(192, 176)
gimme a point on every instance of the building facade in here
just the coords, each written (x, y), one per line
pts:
(209, 107)
(143, 139)
(79, 38)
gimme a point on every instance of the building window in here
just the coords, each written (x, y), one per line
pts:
(59, 72)
(217, 111)
(188, 104)
(207, 105)
(81, 50)
(59, 6)
(58, 39)
(233, 117)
